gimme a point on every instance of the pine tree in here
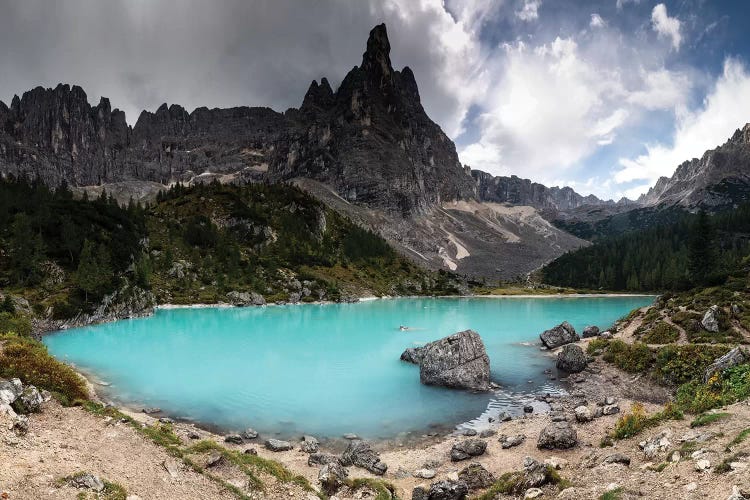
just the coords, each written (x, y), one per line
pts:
(701, 258)
(26, 250)
(94, 270)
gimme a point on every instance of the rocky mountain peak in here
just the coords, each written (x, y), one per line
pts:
(318, 96)
(376, 58)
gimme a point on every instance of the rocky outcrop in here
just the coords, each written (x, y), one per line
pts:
(17, 398)
(557, 435)
(246, 298)
(572, 359)
(517, 191)
(360, 453)
(717, 180)
(413, 355)
(564, 333)
(736, 356)
(458, 361)
(331, 477)
(476, 477)
(372, 140)
(710, 321)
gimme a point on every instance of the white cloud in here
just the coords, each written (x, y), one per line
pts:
(551, 106)
(725, 108)
(665, 26)
(529, 11)
(597, 21)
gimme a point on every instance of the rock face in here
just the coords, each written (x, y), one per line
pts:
(564, 333)
(360, 454)
(458, 361)
(733, 358)
(412, 355)
(557, 435)
(717, 180)
(371, 133)
(710, 321)
(517, 191)
(572, 359)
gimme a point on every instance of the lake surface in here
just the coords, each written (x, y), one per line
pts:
(325, 369)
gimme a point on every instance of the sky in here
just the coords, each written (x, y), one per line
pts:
(603, 96)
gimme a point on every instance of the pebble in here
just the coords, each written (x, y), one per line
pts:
(533, 493)
(424, 473)
(691, 486)
(702, 465)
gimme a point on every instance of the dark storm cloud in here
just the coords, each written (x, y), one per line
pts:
(203, 53)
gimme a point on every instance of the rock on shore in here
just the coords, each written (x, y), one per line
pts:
(572, 359)
(458, 361)
(564, 333)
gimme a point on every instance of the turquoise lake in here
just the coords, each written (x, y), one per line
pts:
(325, 369)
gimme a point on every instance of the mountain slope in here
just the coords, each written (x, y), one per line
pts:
(720, 179)
(369, 145)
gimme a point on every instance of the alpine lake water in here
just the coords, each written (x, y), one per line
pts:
(326, 369)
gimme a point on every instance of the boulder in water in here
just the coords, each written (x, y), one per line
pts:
(458, 361)
(564, 333)
(412, 355)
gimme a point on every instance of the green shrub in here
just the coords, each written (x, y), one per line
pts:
(29, 361)
(707, 419)
(630, 424)
(680, 364)
(721, 389)
(633, 358)
(661, 333)
(596, 345)
(14, 324)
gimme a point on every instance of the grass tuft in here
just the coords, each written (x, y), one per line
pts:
(707, 419)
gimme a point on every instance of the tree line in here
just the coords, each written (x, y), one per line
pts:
(694, 250)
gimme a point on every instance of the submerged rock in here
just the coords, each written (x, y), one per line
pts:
(572, 359)
(360, 454)
(564, 333)
(458, 361)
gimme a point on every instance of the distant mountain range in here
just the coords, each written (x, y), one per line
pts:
(367, 149)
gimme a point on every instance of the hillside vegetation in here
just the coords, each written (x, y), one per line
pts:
(693, 250)
(192, 245)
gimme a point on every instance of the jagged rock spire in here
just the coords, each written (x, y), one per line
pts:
(376, 60)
